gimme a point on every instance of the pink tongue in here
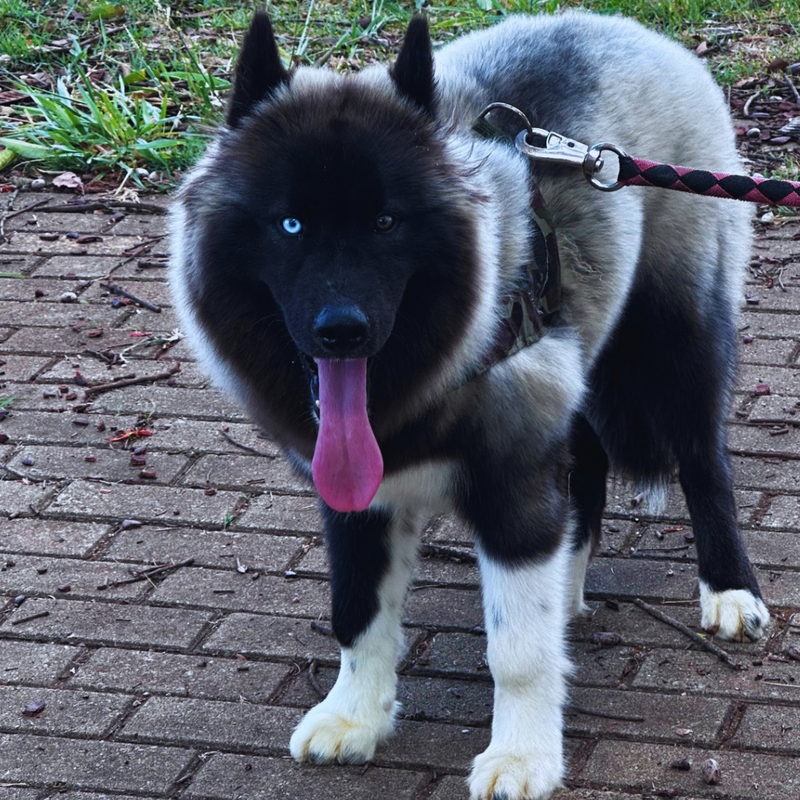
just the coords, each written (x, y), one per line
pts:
(347, 465)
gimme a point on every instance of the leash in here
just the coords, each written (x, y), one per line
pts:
(550, 147)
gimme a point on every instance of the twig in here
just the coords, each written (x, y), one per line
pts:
(440, 551)
(662, 549)
(721, 654)
(12, 214)
(107, 387)
(780, 275)
(604, 714)
(146, 574)
(749, 102)
(106, 205)
(314, 681)
(794, 90)
(245, 446)
(321, 629)
(30, 618)
(21, 474)
(119, 290)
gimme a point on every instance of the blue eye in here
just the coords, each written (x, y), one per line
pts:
(292, 226)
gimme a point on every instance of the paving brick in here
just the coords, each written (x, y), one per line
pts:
(25, 242)
(602, 666)
(82, 714)
(206, 723)
(775, 299)
(661, 716)
(109, 465)
(109, 624)
(96, 371)
(770, 326)
(258, 552)
(247, 472)
(82, 266)
(33, 663)
(10, 793)
(230, 590)
(18, 498)
(750, 776)
(38, 290)
(780, 588)
(450, 787)
(781, 380)
(63, 339)
(783, 513)
(49, 536)
(186, 676)
(774, 408)
(444, 608)
(228, 776)
(634, 626)
(275, 637)
(448, 529)
(21, 368)
(32, 427)
(155, 292)
(767, 351)
(167, 400)
(146, 503)
(623, 577)
(54, 316)
(38, 575)
(193, 435)
(699, 672)
(60, 222)
(64, 795)
(431, 745)
(454, 654)
(282, 513)
(766, 473)
(85, 764)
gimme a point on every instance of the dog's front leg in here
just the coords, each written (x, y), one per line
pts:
(372, 555)
(525, 612)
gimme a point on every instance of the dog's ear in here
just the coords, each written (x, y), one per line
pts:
(412, 73)
(259, 70)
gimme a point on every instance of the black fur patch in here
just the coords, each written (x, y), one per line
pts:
(413, 70)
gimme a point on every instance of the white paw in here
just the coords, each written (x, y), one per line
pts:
(326, 735)
(499, 775)
(735, 614)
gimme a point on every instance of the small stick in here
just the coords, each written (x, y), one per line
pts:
(780, 271)
(440, 551)
(108, 205)
(118, 290)
(31, 617)
(794, 90)
(323, 630)
(750, 102)
(721, 654)
(663, 549)
(314, 681)
(604, 714)
(146, 574)
(118, 384)
(245, 446)
(21, 474)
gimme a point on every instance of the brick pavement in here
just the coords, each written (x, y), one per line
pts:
(188, 684)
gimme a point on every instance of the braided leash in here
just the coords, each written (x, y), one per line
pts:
(550, 147)
(640, 172)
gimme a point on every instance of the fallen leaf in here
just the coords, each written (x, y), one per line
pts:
(68, 180)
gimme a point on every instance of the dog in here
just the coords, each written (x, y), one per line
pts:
(344, 256)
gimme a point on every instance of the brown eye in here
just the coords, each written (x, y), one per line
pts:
(385, 222)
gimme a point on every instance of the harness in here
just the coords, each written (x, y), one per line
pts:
(530, 307)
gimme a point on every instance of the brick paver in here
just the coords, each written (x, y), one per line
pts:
(187, 684)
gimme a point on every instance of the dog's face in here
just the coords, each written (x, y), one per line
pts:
(331, 226)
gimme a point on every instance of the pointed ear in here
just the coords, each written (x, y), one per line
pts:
(259, 70)
(412, 73)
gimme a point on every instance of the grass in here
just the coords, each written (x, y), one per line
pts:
(115, 88)
(5, 402)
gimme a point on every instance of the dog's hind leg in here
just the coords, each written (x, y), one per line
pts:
(372, 556)
(730, 599)
(587, 491)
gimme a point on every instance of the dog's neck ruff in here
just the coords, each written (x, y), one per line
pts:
(530, 307)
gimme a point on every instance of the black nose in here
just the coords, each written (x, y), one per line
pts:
(341, 329)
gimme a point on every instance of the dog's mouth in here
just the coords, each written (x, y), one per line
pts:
(347, 466)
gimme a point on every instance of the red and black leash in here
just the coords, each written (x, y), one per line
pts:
(640, 172)
(550, 147)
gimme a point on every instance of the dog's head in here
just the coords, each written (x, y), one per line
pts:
(334, 234)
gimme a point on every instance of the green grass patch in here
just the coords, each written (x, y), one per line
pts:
(5, 402)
